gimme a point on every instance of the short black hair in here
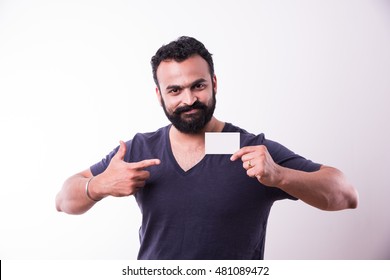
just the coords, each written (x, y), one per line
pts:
(179, 50)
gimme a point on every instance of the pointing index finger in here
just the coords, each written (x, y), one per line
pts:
(146, 163)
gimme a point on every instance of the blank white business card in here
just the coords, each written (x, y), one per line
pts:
(222, 143)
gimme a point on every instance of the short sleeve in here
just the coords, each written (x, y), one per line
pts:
(286, 158)
(102, 165)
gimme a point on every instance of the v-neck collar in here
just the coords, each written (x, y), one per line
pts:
(177, 166)
(173, 159)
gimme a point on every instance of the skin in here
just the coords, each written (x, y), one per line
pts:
(119, 179)
(181, 84)
(326, 189)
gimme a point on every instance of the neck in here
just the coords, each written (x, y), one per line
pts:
(213, 125)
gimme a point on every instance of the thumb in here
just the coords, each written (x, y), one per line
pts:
(121, 151)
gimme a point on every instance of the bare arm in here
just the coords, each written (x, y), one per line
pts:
(72, 198)
(326, 189)
(119, 179)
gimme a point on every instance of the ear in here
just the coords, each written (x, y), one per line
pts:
(158, 94)
(215, 83)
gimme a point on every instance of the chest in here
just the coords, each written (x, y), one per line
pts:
(211, 191)
(187, 157)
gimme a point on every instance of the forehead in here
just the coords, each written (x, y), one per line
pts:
(172, 72)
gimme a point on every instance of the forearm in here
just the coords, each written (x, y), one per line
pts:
(72, 198)
(326, 189)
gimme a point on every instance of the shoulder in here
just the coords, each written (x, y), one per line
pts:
(277, 150)
(246, 138)
(151, 136)
(143, 145)
(280, 153)
(147, 144)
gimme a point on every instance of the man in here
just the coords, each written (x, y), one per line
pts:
(197, 206)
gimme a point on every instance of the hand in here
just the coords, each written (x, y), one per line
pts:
(122, 178)
(259, 164)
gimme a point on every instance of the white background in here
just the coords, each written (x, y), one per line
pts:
(75, 78)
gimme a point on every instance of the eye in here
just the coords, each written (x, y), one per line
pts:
(174, 91)
(200, 86)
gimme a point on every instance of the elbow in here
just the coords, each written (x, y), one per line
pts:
(68, 208)
(348, 200)
(58, 203)
(347, 196)
(353, 200)
(62, 206)
(58, 208)
(350, 197)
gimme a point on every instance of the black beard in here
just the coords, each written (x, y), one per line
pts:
(195, 123)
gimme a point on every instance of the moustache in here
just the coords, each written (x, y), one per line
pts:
(196, 105)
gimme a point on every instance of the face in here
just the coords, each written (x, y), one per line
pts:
(187, 93)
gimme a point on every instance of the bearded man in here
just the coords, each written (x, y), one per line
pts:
(195, 205)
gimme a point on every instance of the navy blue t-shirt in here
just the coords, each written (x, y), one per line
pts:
(212, 211)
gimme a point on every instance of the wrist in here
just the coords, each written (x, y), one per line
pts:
(90, 190)
(283, 177)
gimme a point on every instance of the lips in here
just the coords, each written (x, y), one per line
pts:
(191, 109)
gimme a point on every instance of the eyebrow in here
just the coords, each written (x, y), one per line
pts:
(201, 80)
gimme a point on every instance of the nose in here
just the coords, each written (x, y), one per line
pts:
(189, 97)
